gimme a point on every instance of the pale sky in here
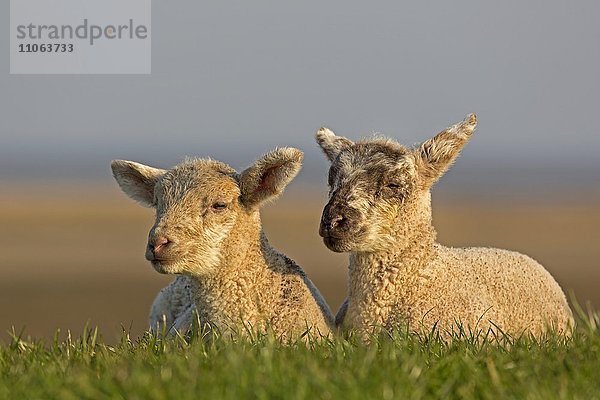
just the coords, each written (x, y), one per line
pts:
(233, 79)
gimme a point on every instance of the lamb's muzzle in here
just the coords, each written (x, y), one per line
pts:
(160, 252)
(339, 224)
(157, 247)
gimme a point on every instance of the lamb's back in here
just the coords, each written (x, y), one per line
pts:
(510, 289)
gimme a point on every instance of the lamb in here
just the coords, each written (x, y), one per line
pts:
(379, 210)
(208, 231)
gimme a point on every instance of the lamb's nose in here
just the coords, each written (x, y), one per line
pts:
(335, 221)
(158, 245)
(331, 222)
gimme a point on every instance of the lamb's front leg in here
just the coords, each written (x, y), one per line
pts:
(341, 314)
(171, 305)
(184, 322)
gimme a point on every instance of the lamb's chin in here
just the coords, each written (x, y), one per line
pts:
(165, 267)
(338, 245)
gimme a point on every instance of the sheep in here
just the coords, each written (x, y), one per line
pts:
(379, 210)
(208, 231)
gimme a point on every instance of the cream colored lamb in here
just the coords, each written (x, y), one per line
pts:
(379, 210)
(208, 230)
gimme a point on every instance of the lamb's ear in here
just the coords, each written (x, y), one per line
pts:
(437, 154)
(269, 176)
(136, 180)
(331, 144)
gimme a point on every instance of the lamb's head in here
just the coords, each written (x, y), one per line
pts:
(379, 189)
(200, 204)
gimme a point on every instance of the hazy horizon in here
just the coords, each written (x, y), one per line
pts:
(484, 178)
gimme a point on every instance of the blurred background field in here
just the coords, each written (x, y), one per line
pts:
(74, 250)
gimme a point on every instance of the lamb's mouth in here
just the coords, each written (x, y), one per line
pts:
(162, 265)
(337, 244)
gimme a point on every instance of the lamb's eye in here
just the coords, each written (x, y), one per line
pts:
(219, 206)
(392, 186)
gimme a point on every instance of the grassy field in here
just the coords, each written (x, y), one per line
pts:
(398, 366)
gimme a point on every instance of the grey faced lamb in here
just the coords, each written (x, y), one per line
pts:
(379, 210)
(208, 231)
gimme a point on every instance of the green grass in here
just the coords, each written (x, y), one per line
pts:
(400, 366)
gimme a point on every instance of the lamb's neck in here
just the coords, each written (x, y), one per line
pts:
(242, 274)
(381, 283)
(376, 272)
(415, 247)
